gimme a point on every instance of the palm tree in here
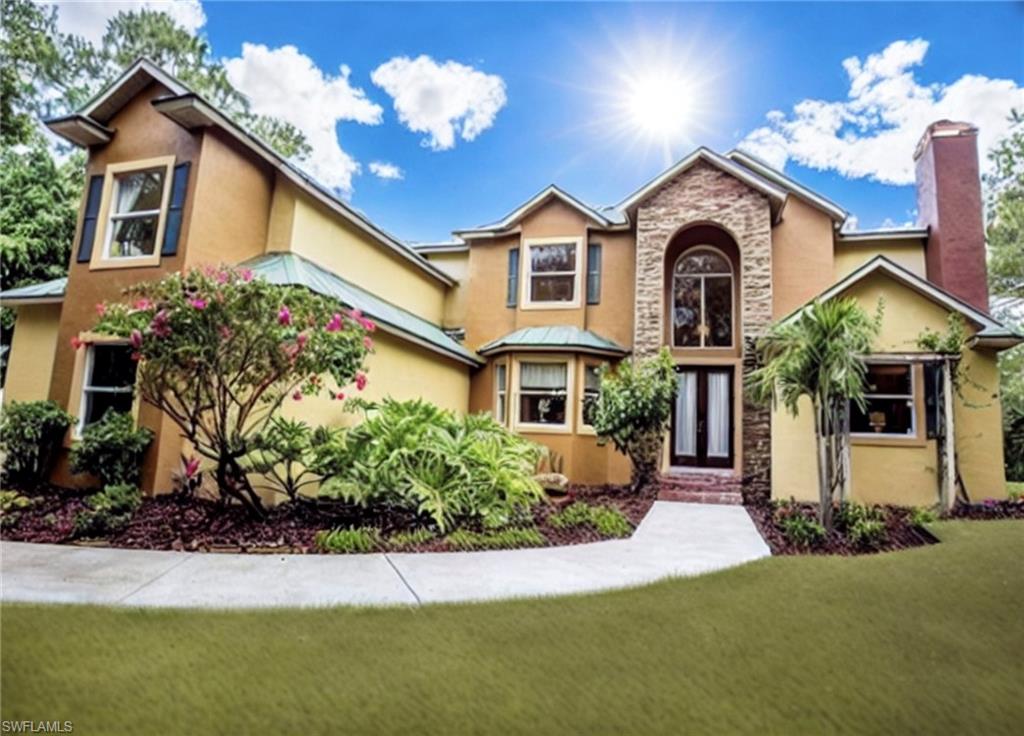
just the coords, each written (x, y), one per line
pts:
(819, 353)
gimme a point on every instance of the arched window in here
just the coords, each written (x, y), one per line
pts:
(702, 299)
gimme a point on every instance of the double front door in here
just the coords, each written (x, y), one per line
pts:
(702, 417)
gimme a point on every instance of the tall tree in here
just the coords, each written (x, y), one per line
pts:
(819, 355)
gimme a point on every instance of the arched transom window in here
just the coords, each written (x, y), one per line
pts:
(702, 299)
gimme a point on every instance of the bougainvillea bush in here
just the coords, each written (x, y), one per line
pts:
(220, 352)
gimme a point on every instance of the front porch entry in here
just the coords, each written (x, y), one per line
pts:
(702, 417)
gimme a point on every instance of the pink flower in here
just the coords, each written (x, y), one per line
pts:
(191, 467)
(136, 357)
(101, 309)
(142, 304)
(222, 277)
(340, 396)
(368, 325)
(368, 342)
(301, 340)
(284, 315)
(297, 396)
(360, 381)
(246, 274)
(225, 332)
(356, 314)
(198, 302)
(335, 324)
(159, 326)
(76, 343)
(136, 339)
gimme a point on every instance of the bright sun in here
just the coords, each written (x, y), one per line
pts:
(660, 104)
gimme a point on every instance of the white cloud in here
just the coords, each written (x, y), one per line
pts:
(285, 83)
(89, 19)
(441, 100)
(384, 170)
(873, 132)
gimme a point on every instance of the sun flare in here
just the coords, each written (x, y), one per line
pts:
(659, 104)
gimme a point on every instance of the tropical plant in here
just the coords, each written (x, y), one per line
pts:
(363, 539)
(31, 432)
(416, 456)
(819, 354)
(283, 455)
(109, 510)
(411, 538)
(798, 528)
(513, 538)
(112, 449)
(633, 410)
(605, 520)
(221, 352)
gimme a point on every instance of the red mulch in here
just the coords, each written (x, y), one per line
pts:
(989, 509)
(900, 534)
(176, 522)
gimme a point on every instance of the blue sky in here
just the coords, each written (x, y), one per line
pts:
(568, 74)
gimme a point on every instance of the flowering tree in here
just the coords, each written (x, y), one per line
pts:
(633, 411)
(221, 352)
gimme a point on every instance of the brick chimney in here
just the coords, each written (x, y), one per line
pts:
(949, 203)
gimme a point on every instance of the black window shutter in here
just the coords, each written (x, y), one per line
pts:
(594, 273)
(92, 211)
(172, 230)
(512, 297)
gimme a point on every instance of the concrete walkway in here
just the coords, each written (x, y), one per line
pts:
(674, 539)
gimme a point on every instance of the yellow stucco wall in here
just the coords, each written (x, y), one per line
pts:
(32, 349)
(397, 369)
(322, 237)
(850, 256)
(456, 302)
(802, 256)
(905, 474)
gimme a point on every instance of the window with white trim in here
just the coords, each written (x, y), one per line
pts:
(890, 408)
(552, 273)
(702, 303)
(591, 392)
(543, 393)
(136, 204)
(108, 382)
(500, 392)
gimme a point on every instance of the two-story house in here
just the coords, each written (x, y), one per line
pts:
(516, 317)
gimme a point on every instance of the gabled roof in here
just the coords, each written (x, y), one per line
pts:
(555, 337)
(777, 195)
(775, 176)
(293, 269)
(190, 110)
(47, 292)
(991, 329)
(447, 246)
(605, 217)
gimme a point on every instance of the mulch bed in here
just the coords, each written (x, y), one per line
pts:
(900, 534)
(989, 509)
(177, 522)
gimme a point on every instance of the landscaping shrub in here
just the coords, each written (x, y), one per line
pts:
(414, 456)
(110, 509)
(465, 540)
(633, 411)
(410, 538)
(221, 352)
(11, 504)
(283, 453)
(867, 532)
(921, 516)
(798, 528)
(363, 539)
(607, 521)
(31, 432)
(112, 449)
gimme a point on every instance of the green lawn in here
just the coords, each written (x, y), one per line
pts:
(929, 640)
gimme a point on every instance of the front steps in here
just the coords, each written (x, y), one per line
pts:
(701, 487)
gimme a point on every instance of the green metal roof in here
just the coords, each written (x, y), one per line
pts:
(293, 269)
(554, 337)
(47, 291)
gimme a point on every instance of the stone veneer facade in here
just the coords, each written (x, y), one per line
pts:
(704, 195)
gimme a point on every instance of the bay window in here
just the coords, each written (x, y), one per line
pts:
(500, 392)
(543, 392)
(591, 392)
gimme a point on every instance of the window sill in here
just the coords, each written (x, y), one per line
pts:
(890, 440)
(532, 306)
(542, 428)
(133, 262)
